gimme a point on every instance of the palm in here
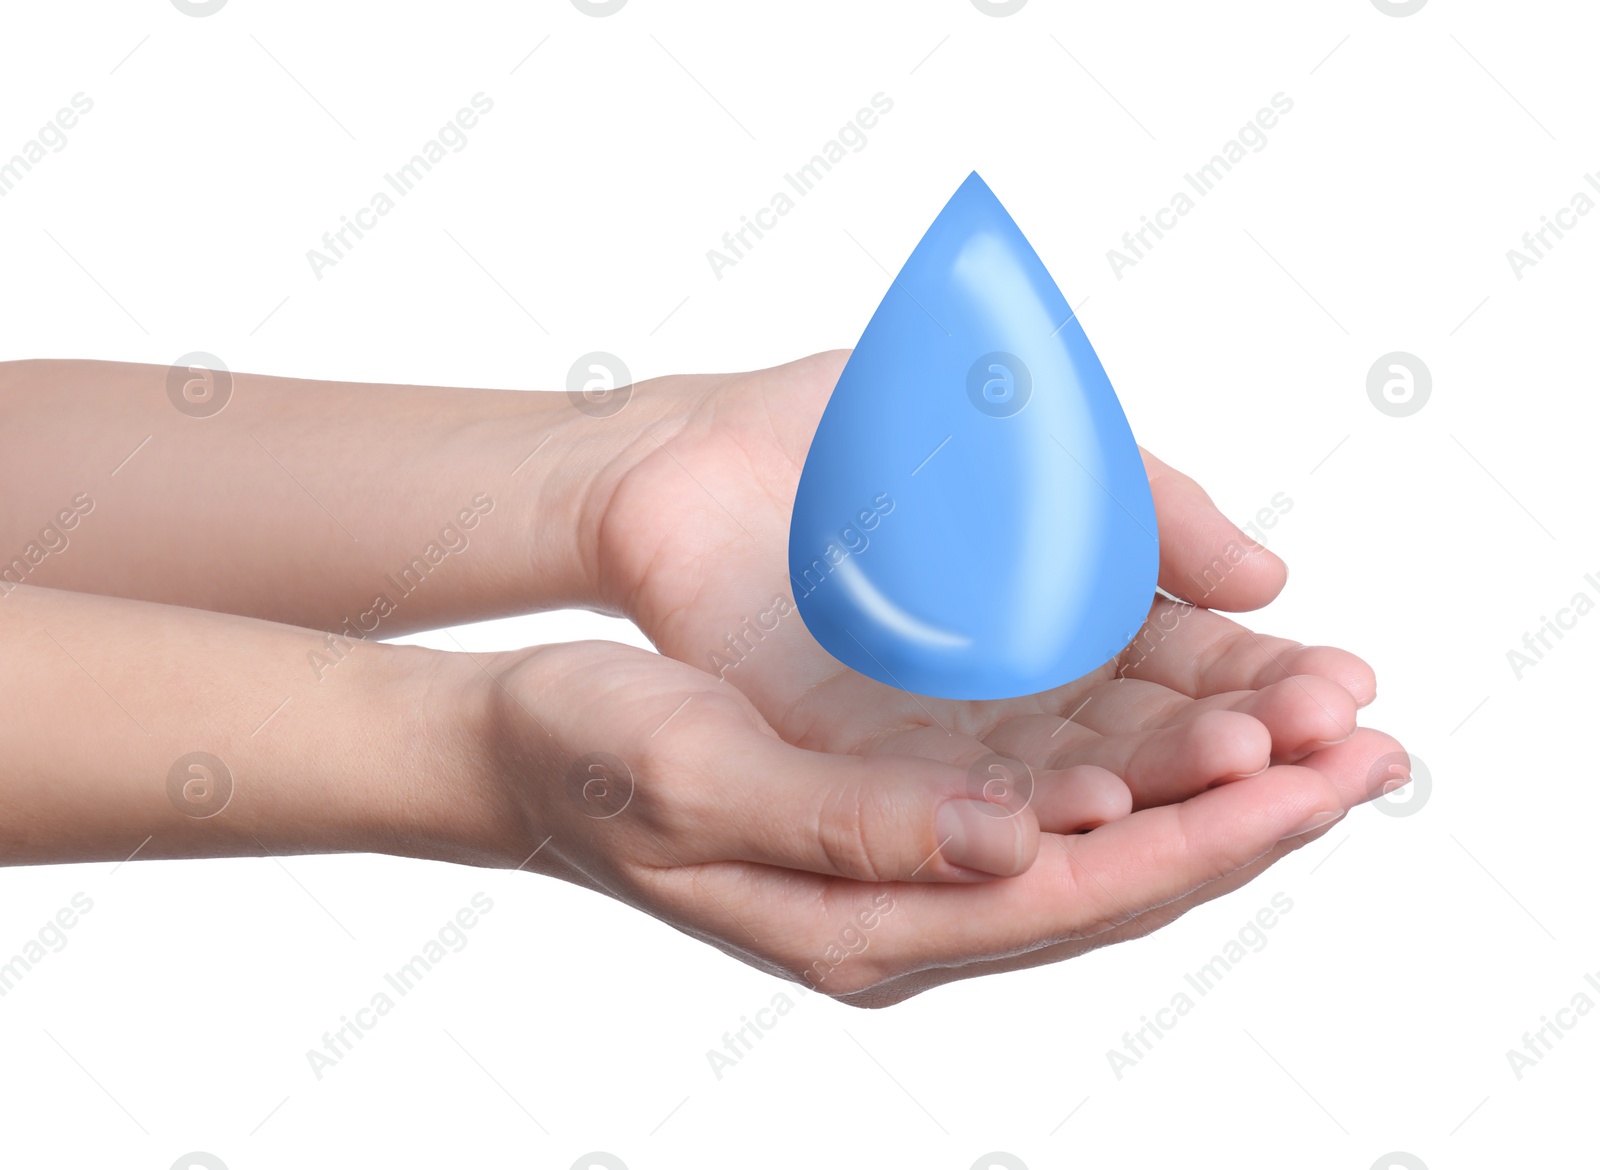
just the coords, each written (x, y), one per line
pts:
(696, 546)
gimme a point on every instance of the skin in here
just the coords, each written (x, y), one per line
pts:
(764, 804)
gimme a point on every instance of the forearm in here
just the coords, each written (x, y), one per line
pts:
(107, 704)
(372, 510)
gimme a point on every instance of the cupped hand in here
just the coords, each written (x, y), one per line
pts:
(648, 780)
(693, 547)
(646, 764)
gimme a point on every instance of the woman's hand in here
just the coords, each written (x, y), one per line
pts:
(154, 731)
(629, 765)
(775, 810)
(371, 511)
(692, 545)
(650, 781)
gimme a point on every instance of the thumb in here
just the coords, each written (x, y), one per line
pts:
(1206, 559)
(880, 818)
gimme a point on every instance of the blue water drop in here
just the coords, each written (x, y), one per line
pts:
(973, 520)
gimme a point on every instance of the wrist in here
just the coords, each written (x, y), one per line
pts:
(435, 788)
(565, 466)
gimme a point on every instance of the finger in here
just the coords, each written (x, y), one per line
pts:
(1205, 557)
(897, 989)
(1196, 652)
(1301, 713)
(1065, 799)
(1161, 764)
(875, 819)
(1079, 798)
(1363, 767)
(1081, 885)
(877, 981)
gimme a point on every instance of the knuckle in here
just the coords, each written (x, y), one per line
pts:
(683, 785)
(845, 835)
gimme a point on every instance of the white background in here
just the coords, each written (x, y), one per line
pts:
(1420, 947)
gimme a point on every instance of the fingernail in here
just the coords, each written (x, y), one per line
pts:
(980, 835)
(1235, 777)
(1313, 822)
(1395, 783)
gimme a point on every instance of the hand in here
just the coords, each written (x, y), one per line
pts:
(772, 817)
(693, 547)
(674, 510)
(1236, 748)
(650, 781)
(631, 765)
